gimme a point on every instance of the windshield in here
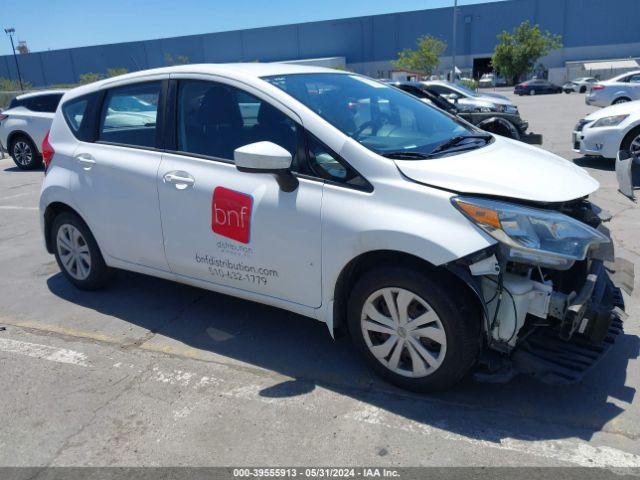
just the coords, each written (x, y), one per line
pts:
(466, 90)
(380, 117)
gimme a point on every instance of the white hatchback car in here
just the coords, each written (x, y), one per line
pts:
(342, 199)
(25, 123)
(605, 132)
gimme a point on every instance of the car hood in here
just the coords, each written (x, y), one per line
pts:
(493, 96)
(620, 109)
(506, 168)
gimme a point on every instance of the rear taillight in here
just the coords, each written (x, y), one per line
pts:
(598, 86)
(47, 152)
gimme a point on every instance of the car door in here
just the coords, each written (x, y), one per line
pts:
(114, 185)
(634, 86)
(234, 229)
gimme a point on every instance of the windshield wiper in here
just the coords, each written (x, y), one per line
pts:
(405, 155)
(452, 142)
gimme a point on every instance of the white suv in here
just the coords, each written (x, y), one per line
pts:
(25, 123)
(342, 199)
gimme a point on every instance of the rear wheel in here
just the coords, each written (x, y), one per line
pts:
(410, 331)
(24, 153)
(618, 101)
(77, 253)
(631, 142)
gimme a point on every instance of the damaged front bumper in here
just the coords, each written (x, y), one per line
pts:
(591, 322)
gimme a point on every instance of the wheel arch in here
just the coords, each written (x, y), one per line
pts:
(51, 212)
(633, 130)
(21, 133)
(498, 123)
(366, 261)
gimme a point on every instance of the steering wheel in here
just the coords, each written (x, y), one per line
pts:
(381, 120)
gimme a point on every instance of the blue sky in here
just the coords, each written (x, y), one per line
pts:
(48, 25)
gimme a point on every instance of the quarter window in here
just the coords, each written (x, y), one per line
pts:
(214, 119)
(326, 165)
(44, 103)
(74, 111)
(129, 115)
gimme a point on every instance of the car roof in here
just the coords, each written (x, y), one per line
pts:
(255, 70)
(41, 92)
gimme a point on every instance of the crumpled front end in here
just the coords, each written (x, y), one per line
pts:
(553, 322)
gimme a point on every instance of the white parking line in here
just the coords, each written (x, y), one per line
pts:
(16, 207)
(568, 451)
(45, 352)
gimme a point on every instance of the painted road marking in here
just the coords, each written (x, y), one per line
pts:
(45, 352)
(576, 452)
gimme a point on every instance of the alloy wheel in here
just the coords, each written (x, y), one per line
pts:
(22, 153)
(635, 146)
(403, 332)
(73, 251)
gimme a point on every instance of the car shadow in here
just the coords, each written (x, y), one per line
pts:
(598, 163)
(302, 349)
(20, 170)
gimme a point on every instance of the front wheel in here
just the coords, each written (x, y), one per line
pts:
(77, 253)
(631, 142)
(410, 331)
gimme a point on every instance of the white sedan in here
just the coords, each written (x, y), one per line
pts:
(604, 132)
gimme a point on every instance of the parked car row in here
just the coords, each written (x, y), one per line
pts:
(508, 124)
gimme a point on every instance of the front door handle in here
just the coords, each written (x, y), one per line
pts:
(180, 179)
(86, 161)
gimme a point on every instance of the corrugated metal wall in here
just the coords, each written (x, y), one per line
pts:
(582, 23)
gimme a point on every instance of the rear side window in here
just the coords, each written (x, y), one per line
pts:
(43, 103)
(129, 115)
(74, 112)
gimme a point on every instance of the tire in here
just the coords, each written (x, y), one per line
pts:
(583, 89)
(77, 253)
(24, 153)
(448, 333)
(631, 141)
(567, 92)
(620, 100)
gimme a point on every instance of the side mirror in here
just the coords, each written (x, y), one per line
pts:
(267, 157)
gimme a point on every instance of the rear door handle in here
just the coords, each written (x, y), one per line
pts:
(180, 179)
(85, 160)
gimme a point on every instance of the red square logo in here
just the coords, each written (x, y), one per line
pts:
(231, 214)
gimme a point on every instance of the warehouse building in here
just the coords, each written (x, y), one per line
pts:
(593, 31)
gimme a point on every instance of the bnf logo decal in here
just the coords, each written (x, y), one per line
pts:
(231, 214)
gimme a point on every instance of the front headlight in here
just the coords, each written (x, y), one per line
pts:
(532, 235)
(609, 121)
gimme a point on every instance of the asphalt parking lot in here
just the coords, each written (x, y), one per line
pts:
(150, 373)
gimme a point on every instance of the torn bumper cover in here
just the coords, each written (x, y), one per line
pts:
(591, 321)
(627, 172)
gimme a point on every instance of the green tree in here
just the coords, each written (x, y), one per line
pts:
(424, 58)
(89, 77)
(175, 60)
(114, 72)
(517, 52)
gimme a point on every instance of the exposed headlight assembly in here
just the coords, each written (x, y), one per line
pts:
(609, 121)
(532, 235)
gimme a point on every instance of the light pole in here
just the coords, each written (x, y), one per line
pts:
(10, 32)
(453, 60)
